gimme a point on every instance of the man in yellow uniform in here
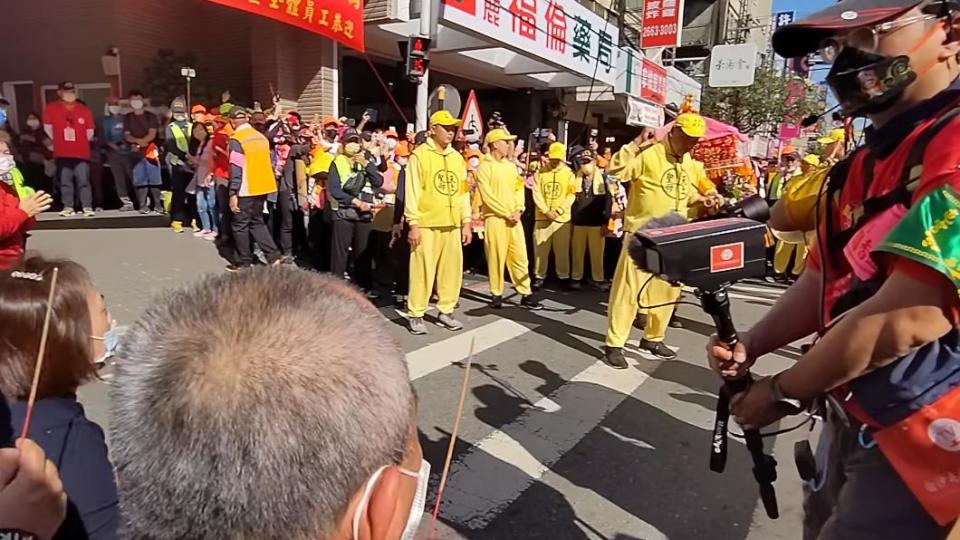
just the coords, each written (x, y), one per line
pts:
(661, 180)
(554, 191)
(589, 215)
(437, 210)
(787, 249)
(502, 192)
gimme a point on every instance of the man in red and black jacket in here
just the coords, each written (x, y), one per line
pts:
(881, 285)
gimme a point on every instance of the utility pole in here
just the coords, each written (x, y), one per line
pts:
(423, 89)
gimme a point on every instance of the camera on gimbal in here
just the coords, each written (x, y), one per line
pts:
(709, 255)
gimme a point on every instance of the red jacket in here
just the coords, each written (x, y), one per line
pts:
(14, 224)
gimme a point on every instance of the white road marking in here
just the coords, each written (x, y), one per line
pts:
(629, 440)
(499, 468)
(441, 354)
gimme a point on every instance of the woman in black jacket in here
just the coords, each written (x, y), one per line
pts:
(80, 337)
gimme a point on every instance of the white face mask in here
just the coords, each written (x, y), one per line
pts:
(351, 148)
(136, 104)
(33, 123)
(391, 144)
(416, 508)
(402, 161)
(6, 163)
(474, 162)
(69, 97)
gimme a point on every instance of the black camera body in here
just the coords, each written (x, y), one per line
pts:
(703, 254)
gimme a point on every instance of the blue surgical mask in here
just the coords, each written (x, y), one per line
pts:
(110, 341)
(3, 116)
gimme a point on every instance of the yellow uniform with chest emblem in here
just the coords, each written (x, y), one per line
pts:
(658, 184)
(437, 200)
(554, 190)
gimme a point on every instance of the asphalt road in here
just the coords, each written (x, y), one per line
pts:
(553, 444)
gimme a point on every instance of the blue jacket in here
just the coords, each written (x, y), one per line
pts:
(78, 448)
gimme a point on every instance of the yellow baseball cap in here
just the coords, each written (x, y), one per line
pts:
(692, 124)
(443, 118)
(557, 150)
(499, 134)
(811, 159)
(834, 136)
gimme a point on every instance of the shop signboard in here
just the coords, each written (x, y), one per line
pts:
(641, 77)
(339, 20)
(661, 23)
(640, 113)
(563, 33)
(733, 65)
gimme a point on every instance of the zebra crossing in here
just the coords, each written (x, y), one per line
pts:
(543, 412)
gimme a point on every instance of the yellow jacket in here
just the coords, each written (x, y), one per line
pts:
(795, 213)
(435, 189)
(659, 183)
(555, 189)
(501, 187)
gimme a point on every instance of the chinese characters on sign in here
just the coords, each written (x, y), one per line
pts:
(339, 20)
(733, 65)
(641, 77)
(661, 23)
(563, 33)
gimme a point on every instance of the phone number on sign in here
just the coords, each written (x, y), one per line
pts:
(659, 30)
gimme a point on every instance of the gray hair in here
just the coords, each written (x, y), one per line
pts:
(254, 405)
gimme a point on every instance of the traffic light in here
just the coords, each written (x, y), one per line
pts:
(416, 62)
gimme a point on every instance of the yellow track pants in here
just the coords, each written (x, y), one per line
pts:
(781, 257)
(547, 236)
(584, 239)
(506, 246)
(623, 306)
(439, 257)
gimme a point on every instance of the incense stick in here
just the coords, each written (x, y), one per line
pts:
(40, 355)
(453, 438)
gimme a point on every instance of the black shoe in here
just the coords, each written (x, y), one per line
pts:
(598, 286)
(566, 285)
(675, 323)
(574, 285)
(496, 302)
(613, 357)
(531, 303)
(536, 284)
(658, 349)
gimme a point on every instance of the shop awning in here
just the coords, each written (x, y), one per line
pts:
(523, 44)
(339, 20)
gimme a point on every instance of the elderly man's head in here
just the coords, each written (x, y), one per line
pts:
(269, 403)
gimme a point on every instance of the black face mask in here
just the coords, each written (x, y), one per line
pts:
(868, 83)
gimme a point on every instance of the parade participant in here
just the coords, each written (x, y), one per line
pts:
(140, 129)
(437, 211)
(176, 142)
(326, 438)
(32, 500)
(384, 254)
(834, 143)
(118, 153)
(70, 125)
(35, 152)
(502, 192)
(661, 177)
(292, 193)
(226, 246)
(785, 251)
(789, 167)
(350, 185)
(198, 113)
(589, 214)
(81, 335)
(19, 205)
(554, 191)
(204, 182)
(251, 180)
(886, 252)
(330, 133)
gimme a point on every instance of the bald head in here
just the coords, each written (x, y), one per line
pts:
(255, 402)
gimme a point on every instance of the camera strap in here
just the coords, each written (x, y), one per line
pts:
(764, 466)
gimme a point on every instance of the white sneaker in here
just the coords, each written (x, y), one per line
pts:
(447, 321)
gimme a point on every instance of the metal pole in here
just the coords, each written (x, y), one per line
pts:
(423, 89)
(188, 93)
